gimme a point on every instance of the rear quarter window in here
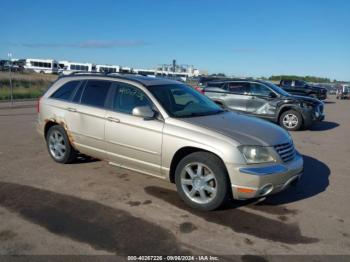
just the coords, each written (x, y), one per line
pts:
(66, 91)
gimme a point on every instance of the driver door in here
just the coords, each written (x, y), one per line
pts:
(133, 142)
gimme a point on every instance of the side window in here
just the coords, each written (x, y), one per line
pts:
(77, 95)
(66, 91)
(95, 93)
(287, 83)
(299, 83)
(238, 88)
(259, 90)
(128, 97)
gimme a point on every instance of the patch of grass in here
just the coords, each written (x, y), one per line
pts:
(25, 85)
(20, 93)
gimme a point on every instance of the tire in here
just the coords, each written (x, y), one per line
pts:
(291, 120)
(59, 146)
(213, 176)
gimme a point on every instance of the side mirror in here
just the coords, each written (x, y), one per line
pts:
(143, 111)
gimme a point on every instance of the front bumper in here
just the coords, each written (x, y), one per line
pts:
(254, 181)
(322, 96)
(311, 115)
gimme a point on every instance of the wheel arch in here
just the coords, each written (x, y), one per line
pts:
(185, 151)
(287, 107)
(48, 125)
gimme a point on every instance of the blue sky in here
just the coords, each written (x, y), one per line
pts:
(246, 38)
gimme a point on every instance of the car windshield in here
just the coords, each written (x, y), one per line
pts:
(277, 89)
(180, 100)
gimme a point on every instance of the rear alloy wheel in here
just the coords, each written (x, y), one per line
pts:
(202, 181)
(291, 120)
(59, 146)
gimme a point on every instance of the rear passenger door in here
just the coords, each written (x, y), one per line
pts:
(133, 142)
(262, 101)
(90, 121)
(65, 109)
(237, 96)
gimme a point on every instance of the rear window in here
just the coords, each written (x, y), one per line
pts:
(95, 93)
(66, 91)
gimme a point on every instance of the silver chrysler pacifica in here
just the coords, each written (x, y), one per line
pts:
(166, 129)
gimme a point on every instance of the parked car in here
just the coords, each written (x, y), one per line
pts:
(169, 130)
(5, 65)
(333, 91)
(266, 100)
(343, 92)
(302, 88)
(16, 66)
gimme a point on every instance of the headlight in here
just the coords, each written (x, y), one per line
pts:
(258, 154)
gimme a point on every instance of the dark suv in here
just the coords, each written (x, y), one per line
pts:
(266, 100)
(302, 88)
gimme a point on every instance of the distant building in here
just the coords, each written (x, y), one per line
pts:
(67, 67)
(176, 70)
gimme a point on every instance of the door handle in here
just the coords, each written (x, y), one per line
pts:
(70, 109)
(113, 119)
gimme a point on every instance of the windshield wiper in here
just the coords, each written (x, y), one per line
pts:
(203, 113)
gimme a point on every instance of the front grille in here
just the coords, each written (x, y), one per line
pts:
(286, 151)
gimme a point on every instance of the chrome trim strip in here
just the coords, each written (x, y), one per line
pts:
(262, 171)
(134, 160)
(134, 147)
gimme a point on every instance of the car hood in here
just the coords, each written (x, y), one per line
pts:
(305, 99)
(244, 129)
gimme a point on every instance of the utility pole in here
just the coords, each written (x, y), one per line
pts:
(10, 76)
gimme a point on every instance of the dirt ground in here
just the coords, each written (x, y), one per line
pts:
(93, 208)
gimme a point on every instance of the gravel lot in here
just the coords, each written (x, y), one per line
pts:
(93, 208)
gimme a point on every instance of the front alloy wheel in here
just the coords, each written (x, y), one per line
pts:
(291, 120)
(202, 181)
(199, 183)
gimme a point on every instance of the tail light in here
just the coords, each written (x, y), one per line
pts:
(38, 105)
(201, 90)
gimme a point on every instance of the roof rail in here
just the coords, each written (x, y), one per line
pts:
(101, 74)
(87, 73)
